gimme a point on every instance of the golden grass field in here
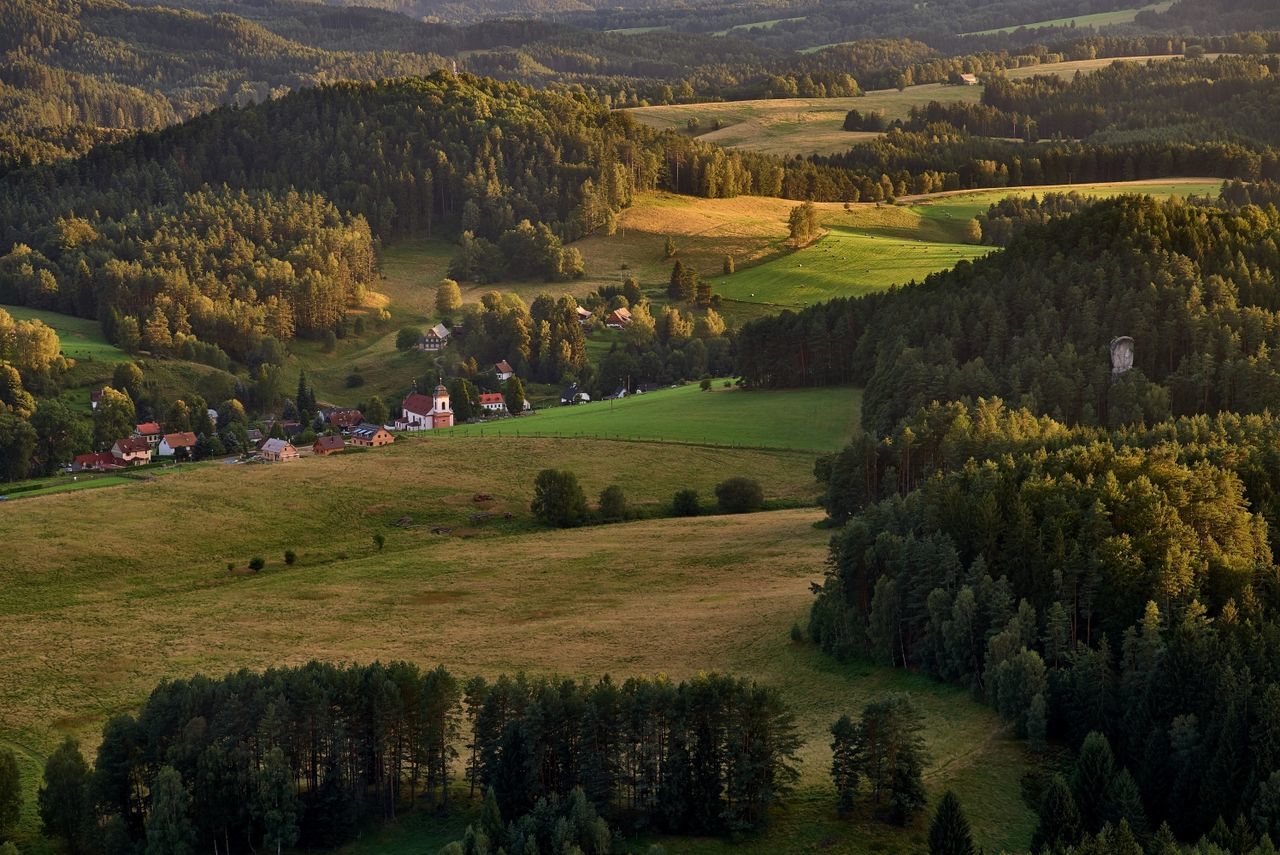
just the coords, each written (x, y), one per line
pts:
(104, 593)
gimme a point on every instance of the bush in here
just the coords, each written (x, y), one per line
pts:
(407, 337)
(705, 385)
(379, 540)
(290, 557)
(613, 504)
(739, 495)
(685, 503)
(354, 380)
(797, 634)
(558, 499)
(231, 567)
(256, 563)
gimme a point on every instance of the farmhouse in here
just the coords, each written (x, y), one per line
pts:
(426, 413)
(493, 402)
(278, 451)
(969, 79)
(435, 339)
(618, 319)
(584, 317)
(326, 445)
(91, 462)
(342, 418)
(370, 436)
(573, 395)
(174, 443)
(152, 432)
(131, 451)
(503, 370)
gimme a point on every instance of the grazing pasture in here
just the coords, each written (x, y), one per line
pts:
(653, 596)
(1098, 19)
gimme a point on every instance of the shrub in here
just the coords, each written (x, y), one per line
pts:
(685, 503)
(407, 337)
(613, 503)
(231, 567)
(739, 495)
(354, 380)
(558, 499)
(290, 557)
(379, 540)
(797, 634)
(705, 385)
(256, 563)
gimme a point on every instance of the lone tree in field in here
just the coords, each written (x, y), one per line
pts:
(669, 249)
(613, 504)
(973, 231)
(448, 297)
(949, 832)
(728, 265)
(845, 771)
(739, 495)
(558, 499)
(169, 829)
(886, 750)
(683, 282)
(685, 503)
(513, 395)
(803, 221)
(10, 791)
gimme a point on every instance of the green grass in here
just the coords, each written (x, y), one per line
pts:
(67, 484)
(954, 208)
(810, 419)
(845, 262)
(1099, 19)
(764, 25)
(81, 338)
(104, 593)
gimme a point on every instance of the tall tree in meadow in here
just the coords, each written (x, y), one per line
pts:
(448, 297)
(114, 418)
(846, 773)
(558, 499)
(949, 833)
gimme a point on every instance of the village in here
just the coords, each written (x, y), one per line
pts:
(276, 440)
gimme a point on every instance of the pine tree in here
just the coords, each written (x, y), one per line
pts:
(1059, 818)
(949, 832)
(845, 771)
(1091, 781)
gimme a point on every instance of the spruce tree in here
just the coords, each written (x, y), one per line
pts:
(949, 833)
(845, 773)
(1059, 818)
(1091, 781)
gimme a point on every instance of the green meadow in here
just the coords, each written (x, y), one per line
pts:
(806, 419)
(81, 337)
(1099, 19)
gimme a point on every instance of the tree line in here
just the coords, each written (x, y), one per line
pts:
(305, 755)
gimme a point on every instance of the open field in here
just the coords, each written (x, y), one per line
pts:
(811, 419)
(763, 25)
(99, 601)
(81, 338)
(843, 263)
(786, 126)
(949, 208)
(1099, 19)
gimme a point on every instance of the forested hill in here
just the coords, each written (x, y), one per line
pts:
(72, 73)
(1194, 285)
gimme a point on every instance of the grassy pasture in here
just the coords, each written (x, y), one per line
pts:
(786, 126)
(811, 419)
(81, 338)
(100, 600)
(763, 25)
(1099, 19)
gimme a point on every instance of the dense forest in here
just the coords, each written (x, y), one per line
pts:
(1193, 285)
(1080, 581)
(308, 755)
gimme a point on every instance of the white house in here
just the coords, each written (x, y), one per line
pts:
(503, 370)
(172, 443)
(493, 402)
